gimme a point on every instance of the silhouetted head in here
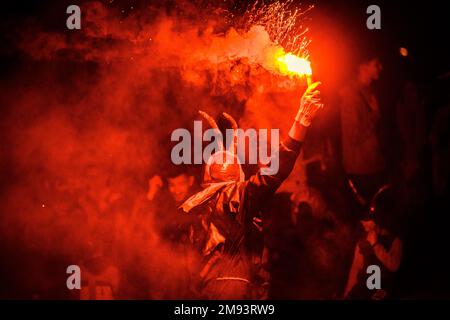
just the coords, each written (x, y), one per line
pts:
(369, 71)
(180, 185)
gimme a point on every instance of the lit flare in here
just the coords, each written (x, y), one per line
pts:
(290, 64)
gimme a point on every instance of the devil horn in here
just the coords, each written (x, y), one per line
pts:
(213, 124)
(233, 146)
(208, 118)
(231, 120)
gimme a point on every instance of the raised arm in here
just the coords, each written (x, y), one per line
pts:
(390, 258)
(289, 149)
(357, 266)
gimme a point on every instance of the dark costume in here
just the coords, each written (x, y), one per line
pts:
(226, 219)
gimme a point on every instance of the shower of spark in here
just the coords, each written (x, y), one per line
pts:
(284, 24)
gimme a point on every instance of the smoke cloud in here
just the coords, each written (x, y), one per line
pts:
(87, 121)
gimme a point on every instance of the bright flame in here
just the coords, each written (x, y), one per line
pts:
(293, 65)
(404, 52)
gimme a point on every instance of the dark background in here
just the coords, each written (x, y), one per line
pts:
(421, 27)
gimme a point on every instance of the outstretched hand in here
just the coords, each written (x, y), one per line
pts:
(309, 104)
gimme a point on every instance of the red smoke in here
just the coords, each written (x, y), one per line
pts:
(88, 121)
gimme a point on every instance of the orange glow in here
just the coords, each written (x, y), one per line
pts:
(290, 64)
(403, 52)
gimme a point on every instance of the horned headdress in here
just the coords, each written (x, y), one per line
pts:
(224, 165)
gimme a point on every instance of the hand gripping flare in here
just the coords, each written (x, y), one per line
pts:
(309, 104)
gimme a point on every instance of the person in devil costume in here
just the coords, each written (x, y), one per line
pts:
(226, 211)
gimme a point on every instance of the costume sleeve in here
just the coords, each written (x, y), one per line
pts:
(260, 185)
